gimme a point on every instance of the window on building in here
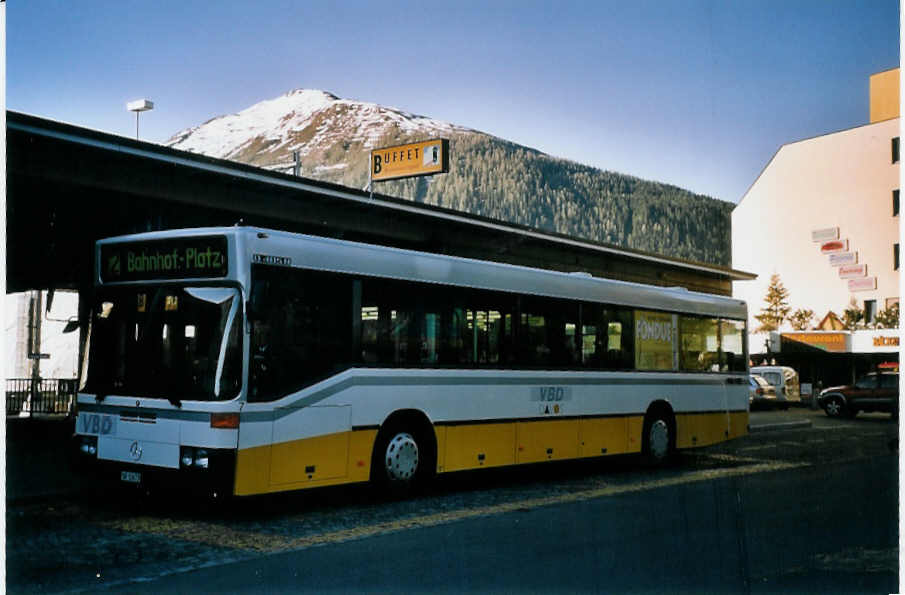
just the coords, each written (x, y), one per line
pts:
(870, 311)
(895, 150)
(895, 257)
(895, 203)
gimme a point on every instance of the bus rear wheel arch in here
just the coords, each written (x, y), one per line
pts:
(658, 437)
(405, 453)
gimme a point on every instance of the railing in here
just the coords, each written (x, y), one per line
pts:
(28, 396)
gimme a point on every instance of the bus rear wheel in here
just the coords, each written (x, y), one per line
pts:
(658, 438)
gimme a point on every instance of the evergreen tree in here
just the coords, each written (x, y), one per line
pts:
(776, 307)
(888, 318)
(801, 319)
(852, 316)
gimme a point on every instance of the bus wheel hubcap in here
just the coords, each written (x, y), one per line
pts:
(659, 439)
(401, 457)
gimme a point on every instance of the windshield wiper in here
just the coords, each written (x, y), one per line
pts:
(176, 402)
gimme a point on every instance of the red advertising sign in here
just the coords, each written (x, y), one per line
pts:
(834, 246)
(852, 271)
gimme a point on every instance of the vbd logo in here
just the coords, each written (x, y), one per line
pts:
(552, 394)
(94, 423)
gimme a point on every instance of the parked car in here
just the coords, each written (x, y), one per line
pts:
(877, 391)
(784, 380)
(760, 392)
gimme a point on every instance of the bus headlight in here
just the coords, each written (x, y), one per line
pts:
(201, 459)
(88, 446)
(194, 457)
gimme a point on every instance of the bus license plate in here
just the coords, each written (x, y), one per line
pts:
(130, 476)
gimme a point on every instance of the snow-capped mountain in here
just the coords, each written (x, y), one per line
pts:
(311, 122)
(488, 176)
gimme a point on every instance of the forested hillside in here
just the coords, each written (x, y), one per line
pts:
(506, 181)
(488, 176)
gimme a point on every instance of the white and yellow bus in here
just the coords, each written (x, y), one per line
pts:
(247, 361)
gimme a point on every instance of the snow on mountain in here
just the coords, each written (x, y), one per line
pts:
(305, 120)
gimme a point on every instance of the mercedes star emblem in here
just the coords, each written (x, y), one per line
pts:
(135, 450)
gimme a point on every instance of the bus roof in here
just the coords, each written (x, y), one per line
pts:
(344, 256)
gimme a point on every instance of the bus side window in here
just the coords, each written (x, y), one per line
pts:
(260, 379)
(732, 346)
(304, 332)
(619, 345)
(698, 344)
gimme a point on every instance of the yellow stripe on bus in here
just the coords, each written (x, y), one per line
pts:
(345, 457)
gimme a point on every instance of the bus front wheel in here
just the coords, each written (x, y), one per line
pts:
(402, 459)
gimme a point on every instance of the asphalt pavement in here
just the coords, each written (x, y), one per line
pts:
(771, 512)
(747, 534)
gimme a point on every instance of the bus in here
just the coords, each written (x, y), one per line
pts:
(246, 361)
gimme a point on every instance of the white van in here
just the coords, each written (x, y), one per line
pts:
(785, 380)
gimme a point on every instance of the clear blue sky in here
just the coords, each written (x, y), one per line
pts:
(699, 94)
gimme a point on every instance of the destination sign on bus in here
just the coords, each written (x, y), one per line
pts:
(182, 258)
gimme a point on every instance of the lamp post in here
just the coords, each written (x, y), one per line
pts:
(138, 106)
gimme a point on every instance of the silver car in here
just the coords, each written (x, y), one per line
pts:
(761, 394)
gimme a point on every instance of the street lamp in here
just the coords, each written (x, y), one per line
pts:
(138, 106)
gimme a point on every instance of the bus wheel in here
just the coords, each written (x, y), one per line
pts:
(658, 439)
(402, 460)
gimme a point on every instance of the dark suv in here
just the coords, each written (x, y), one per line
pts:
(873, 392)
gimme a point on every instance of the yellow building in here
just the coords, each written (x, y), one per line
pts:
(884, 95)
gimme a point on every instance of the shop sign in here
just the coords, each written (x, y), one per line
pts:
(832, 342)
(825, 234)
(852, 271)
(876, 341)
(655, 340)
(841, 258)
(834, 246)
(865, 284)
(415, 159)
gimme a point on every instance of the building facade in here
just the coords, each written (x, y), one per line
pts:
(824, 216)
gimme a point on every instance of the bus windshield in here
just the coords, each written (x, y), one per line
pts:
(178, 343)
